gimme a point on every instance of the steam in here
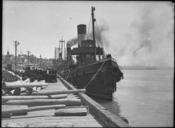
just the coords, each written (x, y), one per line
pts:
(144, 32)
(72, 42)
(148, 40)
(100, 34)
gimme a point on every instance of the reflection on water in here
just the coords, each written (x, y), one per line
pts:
(112, 106)
(144, 97)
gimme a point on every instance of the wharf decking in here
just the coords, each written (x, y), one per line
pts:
(46, 118)
(97, 116)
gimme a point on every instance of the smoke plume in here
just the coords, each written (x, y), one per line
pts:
(72, 42)
(148, 40)
(100, 34)
(145, 40)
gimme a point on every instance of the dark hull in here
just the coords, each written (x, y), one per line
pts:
(105, 73)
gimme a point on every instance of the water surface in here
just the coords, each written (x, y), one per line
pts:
(144, 97)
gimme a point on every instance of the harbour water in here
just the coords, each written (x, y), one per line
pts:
(145, 98)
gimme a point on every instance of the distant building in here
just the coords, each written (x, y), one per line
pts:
(22, 61)
(58, 53)
(7, 59)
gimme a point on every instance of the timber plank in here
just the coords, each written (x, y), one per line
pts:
(16, 85)
(60, 92)
(39, 102)
(78, 121)
(26, 109)
(7, 110)
(71, 112)
(34, 97)
(44, 118)
(46, 124)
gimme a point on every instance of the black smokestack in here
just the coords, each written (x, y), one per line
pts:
(81, 30)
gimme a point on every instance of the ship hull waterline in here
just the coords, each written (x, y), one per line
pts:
(99, 79)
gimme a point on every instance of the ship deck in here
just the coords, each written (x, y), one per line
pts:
(46, 118)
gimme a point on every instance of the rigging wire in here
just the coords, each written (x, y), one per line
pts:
(99, 43)
(88, 31)
(95, 75)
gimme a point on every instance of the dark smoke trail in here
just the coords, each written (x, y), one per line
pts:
(72, 42)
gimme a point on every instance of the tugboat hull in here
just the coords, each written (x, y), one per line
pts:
(98, 78)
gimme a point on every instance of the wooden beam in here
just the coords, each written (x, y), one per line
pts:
(61, 92)
(40, 102)
(13, 125)
(9, 110)
(15, 109)
(5, 98)
(38, 124)
(6, 108)
(47, 124)
(71, 112)
(17, 85)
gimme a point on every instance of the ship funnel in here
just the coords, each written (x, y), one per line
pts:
(81, 29)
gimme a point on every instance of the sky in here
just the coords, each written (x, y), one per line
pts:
(134, 33)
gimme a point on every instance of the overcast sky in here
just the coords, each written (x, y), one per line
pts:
(135, 33)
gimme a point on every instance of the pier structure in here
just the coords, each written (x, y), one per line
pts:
(57, 105)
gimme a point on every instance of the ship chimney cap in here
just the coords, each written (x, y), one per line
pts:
(81, 29)
(81, 25)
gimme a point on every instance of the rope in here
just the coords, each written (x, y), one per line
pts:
(94, 76)
(68, 74)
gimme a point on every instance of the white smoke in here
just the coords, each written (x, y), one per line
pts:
(148, 41)
(100, 31)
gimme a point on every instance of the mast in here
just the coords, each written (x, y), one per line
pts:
(40, 61)
(16, 45)
(93, 28)
(28, 53)
(62, 47)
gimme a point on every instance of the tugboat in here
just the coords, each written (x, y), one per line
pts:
(98, 77)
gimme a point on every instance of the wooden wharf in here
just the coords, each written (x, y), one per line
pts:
(87, 114)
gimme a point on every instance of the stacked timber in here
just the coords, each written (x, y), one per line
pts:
(57, 100)
(20, 83)
(17, 87)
